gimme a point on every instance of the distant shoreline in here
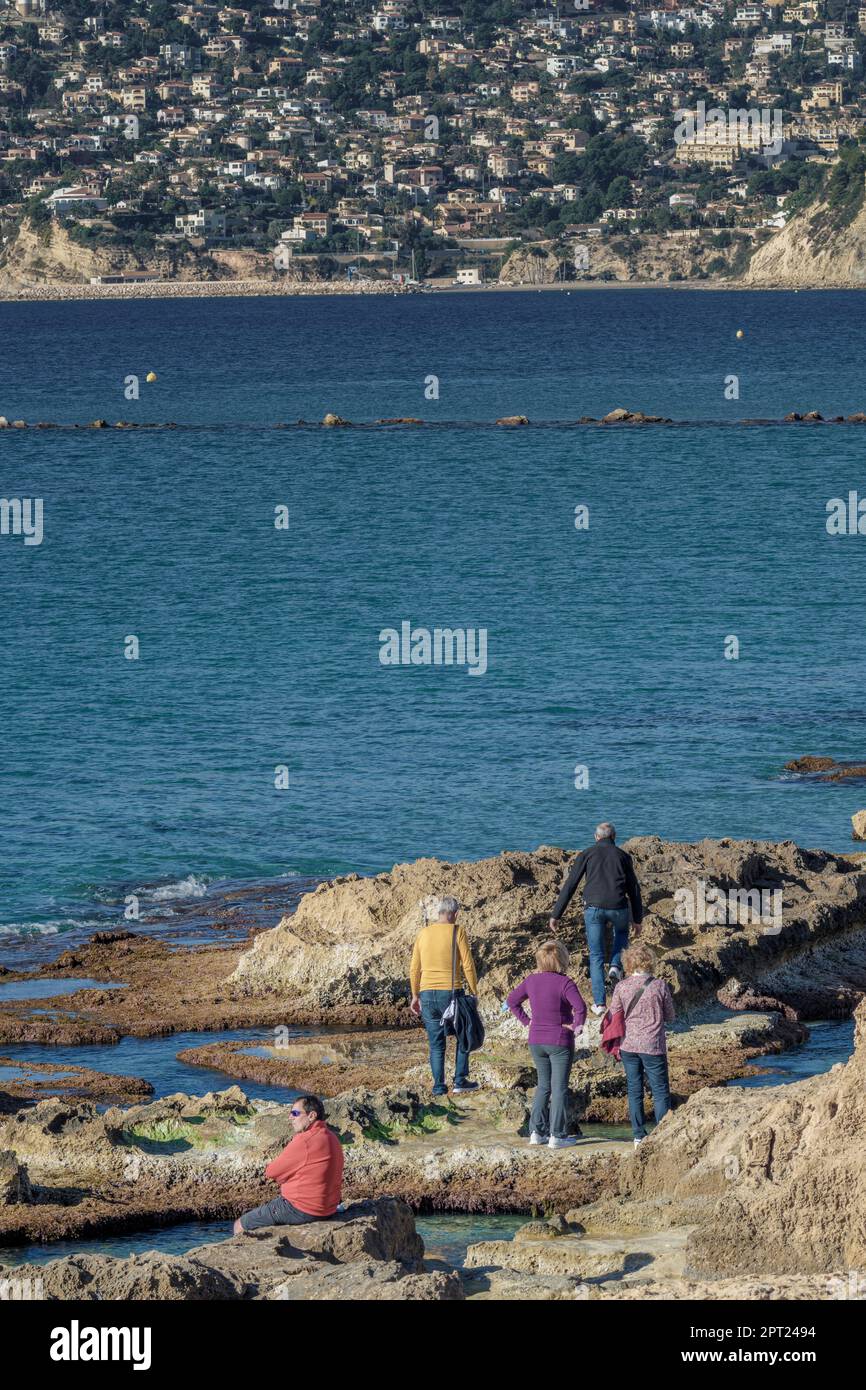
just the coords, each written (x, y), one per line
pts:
(250, 289)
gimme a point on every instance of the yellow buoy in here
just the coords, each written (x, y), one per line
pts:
(151, 376)
(740, 333)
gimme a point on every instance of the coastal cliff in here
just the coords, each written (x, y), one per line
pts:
(47, 258)
(812, 252)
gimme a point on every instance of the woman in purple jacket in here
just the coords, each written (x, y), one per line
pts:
(558, 1012)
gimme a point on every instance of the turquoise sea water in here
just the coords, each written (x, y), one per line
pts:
(446, 1237)
(156, 1060)
(259, 648)
(829, 1042)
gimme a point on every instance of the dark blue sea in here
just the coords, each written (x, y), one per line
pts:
(259, 647)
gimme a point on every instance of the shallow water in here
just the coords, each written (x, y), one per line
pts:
(47, 989)
(829, 1042)
(155, 1059)
(446, 1237)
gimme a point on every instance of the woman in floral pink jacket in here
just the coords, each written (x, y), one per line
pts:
(646, 1005)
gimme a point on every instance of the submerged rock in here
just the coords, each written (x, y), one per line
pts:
(633, 417)
(513, 420)
(809, 764)
(827, 768)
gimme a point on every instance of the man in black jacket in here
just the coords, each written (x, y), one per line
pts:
(611, 887)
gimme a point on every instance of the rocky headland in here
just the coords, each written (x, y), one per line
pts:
(759, 1188)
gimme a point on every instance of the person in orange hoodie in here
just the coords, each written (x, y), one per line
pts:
(309, 1171)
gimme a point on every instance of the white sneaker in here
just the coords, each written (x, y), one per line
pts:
(567, 1142)
(638, 1141)
(598, 1009)
(536, 1138)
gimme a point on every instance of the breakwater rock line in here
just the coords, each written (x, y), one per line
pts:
(618, 418)
(203, 289)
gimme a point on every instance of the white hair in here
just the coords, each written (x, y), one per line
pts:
(447, 907)
(605, 831)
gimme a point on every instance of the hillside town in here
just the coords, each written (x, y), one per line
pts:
(423, 141)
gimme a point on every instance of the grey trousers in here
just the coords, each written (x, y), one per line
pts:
(553, 1065)
(279, 1212)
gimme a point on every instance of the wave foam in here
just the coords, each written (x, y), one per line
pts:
(37, 928)
(189, 887)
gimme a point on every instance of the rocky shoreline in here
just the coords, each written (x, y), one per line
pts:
(756, 1188)
(211, 289)
(200, 289)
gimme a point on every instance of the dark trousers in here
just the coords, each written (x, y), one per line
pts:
(434, 1002)
(653, 1066)
(548, 1104)
(278, 1212)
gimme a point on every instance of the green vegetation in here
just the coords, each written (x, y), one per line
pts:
(175, 1134)
(846, 185)
(429, 1119)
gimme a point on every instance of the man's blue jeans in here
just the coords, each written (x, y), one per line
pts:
(595, 919)
(655, 1067)
(434, 1002)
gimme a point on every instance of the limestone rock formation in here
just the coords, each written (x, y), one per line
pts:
(370, 1282)
(530, 265)
(570, 1255)
(774, 1180)
(811, 252)
(14, 1182)
(164, 1278)
(370, 1251)
(858, 823)
(350, 942)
